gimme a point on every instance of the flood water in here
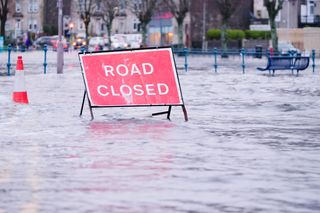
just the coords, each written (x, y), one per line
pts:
(252, 144)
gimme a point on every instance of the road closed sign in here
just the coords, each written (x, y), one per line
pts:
(142, 77)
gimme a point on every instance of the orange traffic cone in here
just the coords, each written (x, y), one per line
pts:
(19, 93)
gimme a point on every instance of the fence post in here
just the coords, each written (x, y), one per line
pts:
(215, 65)
(243, 62)
(9, 59)
(313, 59)
(45, 49)
(185, 51)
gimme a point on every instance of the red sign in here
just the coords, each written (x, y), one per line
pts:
(129, 78)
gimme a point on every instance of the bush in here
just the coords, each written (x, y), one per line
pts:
(235, 34)
(266, 34)
(257, 34)
(231, 34)
(213, 34)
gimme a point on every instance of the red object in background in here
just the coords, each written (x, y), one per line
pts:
(271, 51)
(143, 77)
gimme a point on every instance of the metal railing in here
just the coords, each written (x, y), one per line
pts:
(217, 54)
(244, 54)
(11, 49)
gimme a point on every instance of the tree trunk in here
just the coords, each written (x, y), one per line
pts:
(224, 40)
(144, 34)
(3, 21)
(180, 34)
(109, 35)
(3, 27)
(86, 24)
(274, 36)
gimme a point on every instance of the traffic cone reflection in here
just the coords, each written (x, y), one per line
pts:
(19, 93)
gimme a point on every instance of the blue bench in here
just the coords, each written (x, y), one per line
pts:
(292, 63)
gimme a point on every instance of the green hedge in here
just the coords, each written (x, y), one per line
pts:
(235, 34)
(257, 34)
(215, 34)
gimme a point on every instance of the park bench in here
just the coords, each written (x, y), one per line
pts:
(292, 63)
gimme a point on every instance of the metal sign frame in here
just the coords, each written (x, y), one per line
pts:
(167, 112)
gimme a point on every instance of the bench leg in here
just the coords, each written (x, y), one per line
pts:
(273, 72)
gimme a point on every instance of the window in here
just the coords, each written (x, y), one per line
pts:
(18, 24)
(80, 25)
(30, 5)
(311, 8)
(81, 5)
(33, 6)
(137, 5)
(35, 25)
(18, 6)
(259, 13)
(32, 25)
(98, 6)
(136, 26)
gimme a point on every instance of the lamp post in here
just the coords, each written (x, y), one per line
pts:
(204, 16)
(160, 22)
(59, 43)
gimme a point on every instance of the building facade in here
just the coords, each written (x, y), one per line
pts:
(205, 15)
(125, 21)
(25, 16)
(294, 14)
(309, 13)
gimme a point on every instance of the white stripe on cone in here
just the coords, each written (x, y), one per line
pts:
(19, 84)
(20, 93)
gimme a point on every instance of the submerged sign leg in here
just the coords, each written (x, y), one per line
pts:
(185, 113)
(82, 106)
(84, 97)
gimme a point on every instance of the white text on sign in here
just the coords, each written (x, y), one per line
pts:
(123, 70)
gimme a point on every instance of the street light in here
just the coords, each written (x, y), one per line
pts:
(71, 26)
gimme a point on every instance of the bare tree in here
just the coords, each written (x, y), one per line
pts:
(3, 16)
(86, 9)
(144, 10)
(109, 10)
(226, 8)
(273, 8)
(179, 8)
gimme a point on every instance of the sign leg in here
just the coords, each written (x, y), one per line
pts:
(90, 107)
(185, 113)
(169, 112)
(84, 97)
(165, 112)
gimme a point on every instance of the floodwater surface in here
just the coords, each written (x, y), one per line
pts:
(251, 145)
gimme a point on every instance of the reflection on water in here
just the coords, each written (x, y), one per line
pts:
(251, 145)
